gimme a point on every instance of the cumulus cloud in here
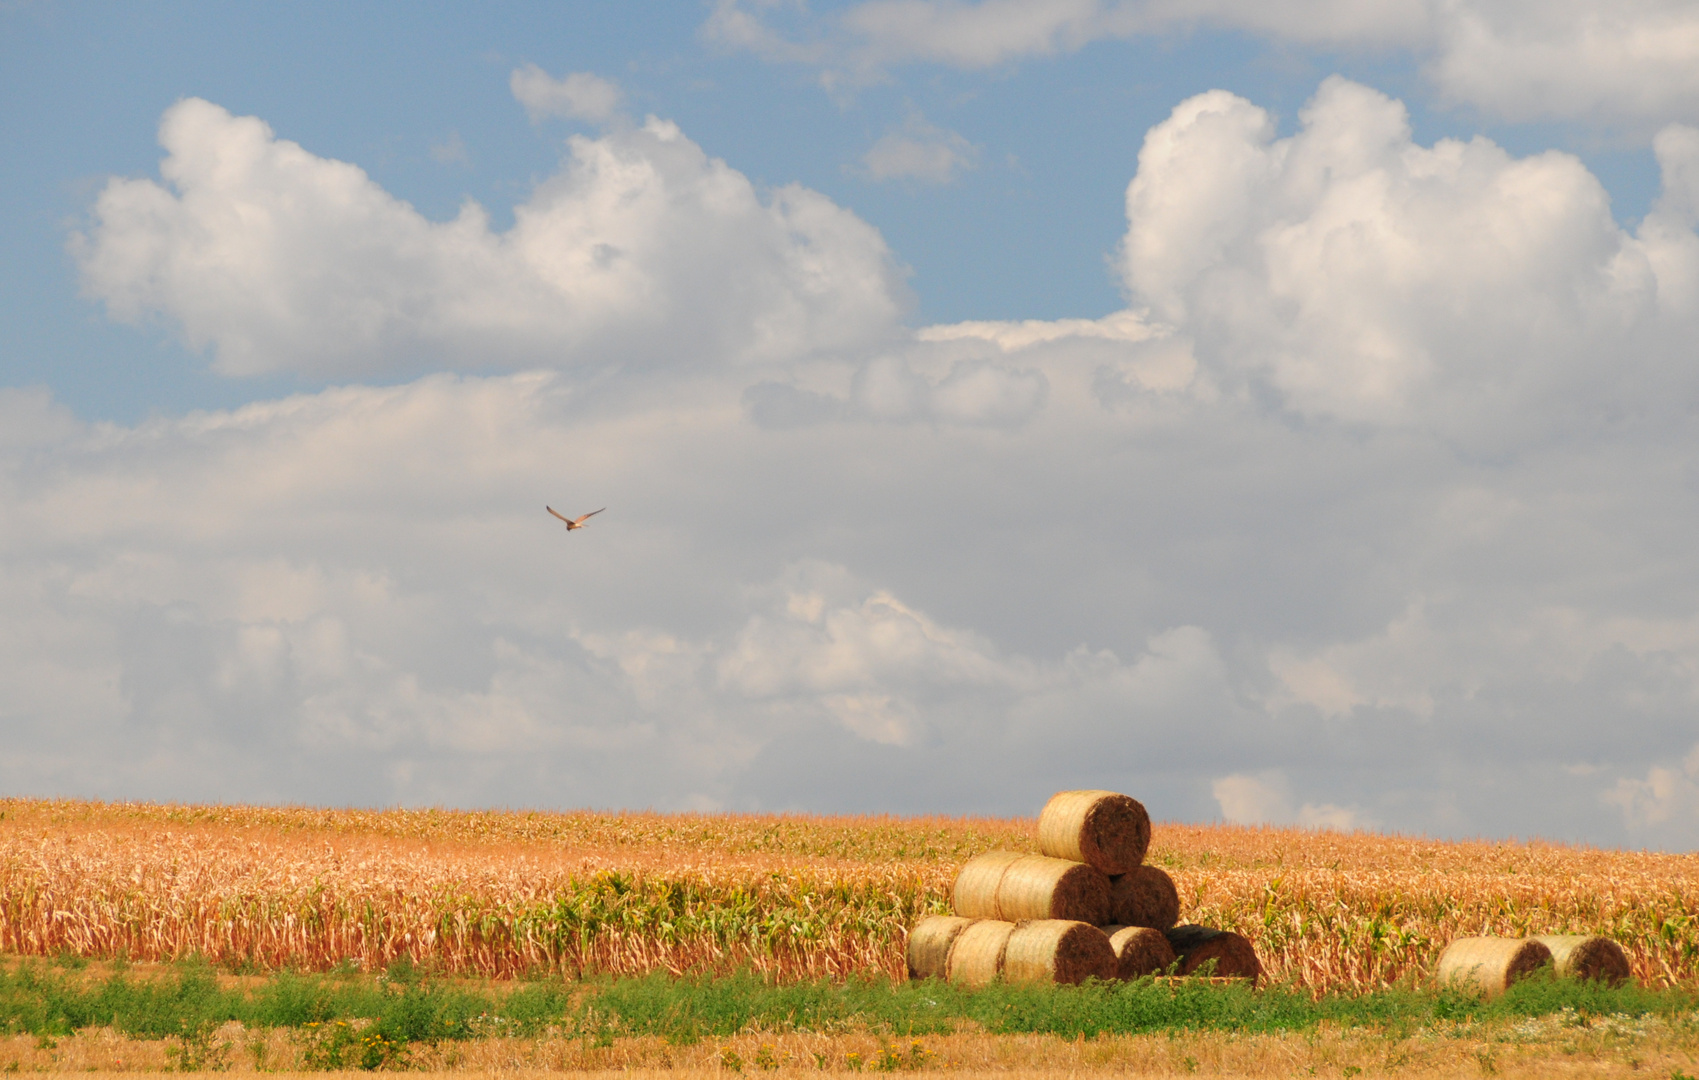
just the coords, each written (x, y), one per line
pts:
(920, 151)
(278, 260)
(1630, 63)
(578, 95)
(1353, 274)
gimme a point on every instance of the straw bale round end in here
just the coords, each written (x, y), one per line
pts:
(1144, 896)
(1037, 887)
(1058, 950)
(1585, 956)
(974, 895)
(1489, 964)
(1108, 830)
(1233, 955)
(1139, 950)
(929, 945)
(976, 958)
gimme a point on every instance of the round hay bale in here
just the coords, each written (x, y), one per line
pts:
(1038, 887)
(1058, 951)
(1010, 886)
(1139, 950)
(1489, 964)
(1196, 946)
(974, 895)
(1107, 830)
(929, 945)
(1585, 956)
(976, 959)
(1144, 896)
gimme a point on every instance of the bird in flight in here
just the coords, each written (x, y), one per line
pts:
(573, 523)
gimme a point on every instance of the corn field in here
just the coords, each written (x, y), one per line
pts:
(502, 894)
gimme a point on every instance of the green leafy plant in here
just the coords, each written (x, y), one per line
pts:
(197, 1050)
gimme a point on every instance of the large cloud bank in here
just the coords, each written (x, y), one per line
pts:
(1374, 508)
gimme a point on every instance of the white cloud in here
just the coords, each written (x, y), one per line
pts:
(1217, 552)
(974, 392)
(1356, 275)
(282, 261)
(920, 151)
(1266, 799)
(1634, 64)
(300, 597)
(578, 95)
(1665, 805)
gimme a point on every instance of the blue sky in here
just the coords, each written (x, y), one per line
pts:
(1311, 467)
(1024, 234)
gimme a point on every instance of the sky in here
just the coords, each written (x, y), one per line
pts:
(1281, 412)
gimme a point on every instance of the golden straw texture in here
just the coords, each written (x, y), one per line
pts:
(929, 945)
(1103, 828)
(976, 959)
(1587, 956)
(998, 886)
(974, 894)
(1489, 964)
(1144, 896)
(1139, 950)
(1057, 951)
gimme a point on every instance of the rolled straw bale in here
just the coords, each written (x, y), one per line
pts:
(974, 894)
(1058, 951)
(1107, 830)
(1038, 887)
(929, 945)
(1011, 887)
(1584, 956)
(1234, 955)
(1489, 964)
(1139, 950)
(976, 959)
(1144, 896)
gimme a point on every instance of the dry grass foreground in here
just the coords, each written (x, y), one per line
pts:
(498, 894)
(1549, 1047)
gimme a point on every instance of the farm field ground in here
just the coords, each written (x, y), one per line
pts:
(71, 1015)
(576, 909)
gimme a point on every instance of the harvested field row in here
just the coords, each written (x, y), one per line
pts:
(1531, 1051)
(265, 888)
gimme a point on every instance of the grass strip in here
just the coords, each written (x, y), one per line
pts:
(405, 1007)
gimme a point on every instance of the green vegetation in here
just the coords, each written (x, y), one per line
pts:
(358, 1019)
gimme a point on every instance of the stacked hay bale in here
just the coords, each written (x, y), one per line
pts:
(1085, 907)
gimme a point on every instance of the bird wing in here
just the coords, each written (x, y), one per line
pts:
(557, 513)
(588, 516)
